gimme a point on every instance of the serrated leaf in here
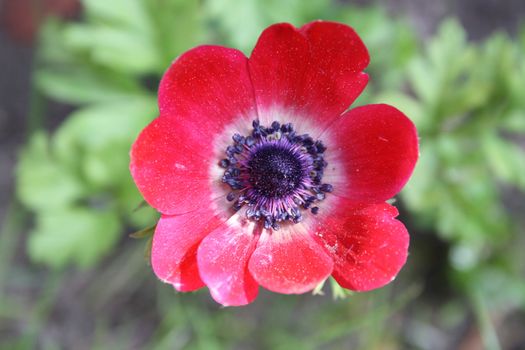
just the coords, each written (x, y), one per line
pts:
(516, 83)
(391, 42)
(422, 190)
(447, 63)
(450, 42)
(73, 235)
(470, 209)
(423, 81)
(506, 160)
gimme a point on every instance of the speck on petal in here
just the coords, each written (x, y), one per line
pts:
(368, 245)
(290, 261)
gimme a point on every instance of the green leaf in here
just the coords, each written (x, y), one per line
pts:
(450, 43)
(95, 142)
(97, 139)
(140, 36)
(147, 249)
(52, 47)
(128, 197)
(447, 63)
(179, 26)
(423, 189)
(43, 182)
(339, 292)
(125, 49)
(233, 15)
(73, 235)
(506, 160)
(79, 86)
(131, 13)
(318, 290)
(424, 81)
(514, 122)
(106, 168)
(391, 42)
(146, 232)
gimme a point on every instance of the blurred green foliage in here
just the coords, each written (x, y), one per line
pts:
(467, 102)
(466, 99)
(79, 185)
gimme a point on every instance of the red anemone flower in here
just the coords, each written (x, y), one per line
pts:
(262, 175)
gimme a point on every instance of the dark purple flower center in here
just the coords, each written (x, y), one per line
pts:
(276, 173)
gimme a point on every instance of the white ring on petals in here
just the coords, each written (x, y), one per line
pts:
(242, 125)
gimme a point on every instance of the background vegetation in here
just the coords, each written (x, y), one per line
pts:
(71, 278)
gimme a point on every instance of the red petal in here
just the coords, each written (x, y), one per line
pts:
(289, 261)
(336, 47)
(206, 89)
(338, 56)
(174, 249)
(223, 257)
(277, 66)
(374, 151)
(170, 170)
(314, 71)
(368, 245)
